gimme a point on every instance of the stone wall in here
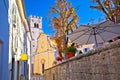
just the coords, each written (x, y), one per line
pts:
(100, 64)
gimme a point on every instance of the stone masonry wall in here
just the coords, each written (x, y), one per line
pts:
(100, 64)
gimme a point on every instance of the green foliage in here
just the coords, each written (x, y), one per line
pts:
(71, 49)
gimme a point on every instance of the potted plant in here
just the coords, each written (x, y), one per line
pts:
(59, 58)
(70, 52)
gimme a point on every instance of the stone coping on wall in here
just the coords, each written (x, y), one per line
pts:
(91, 52)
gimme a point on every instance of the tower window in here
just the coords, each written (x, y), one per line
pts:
(35, 25)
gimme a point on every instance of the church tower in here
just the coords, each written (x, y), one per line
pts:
(35, 24)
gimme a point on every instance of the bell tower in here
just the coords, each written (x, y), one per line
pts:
(35, 24)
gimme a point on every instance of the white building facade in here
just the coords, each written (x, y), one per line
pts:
(15, 39)
(19, 41)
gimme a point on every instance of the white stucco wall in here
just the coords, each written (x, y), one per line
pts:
(17, 41)
(4, 37)
(28, 52)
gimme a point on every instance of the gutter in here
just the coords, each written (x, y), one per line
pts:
(21, 8)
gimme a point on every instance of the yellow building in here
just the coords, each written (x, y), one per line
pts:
(44, 57)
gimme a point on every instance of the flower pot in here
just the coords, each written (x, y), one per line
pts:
(70, 54)
(59, 59)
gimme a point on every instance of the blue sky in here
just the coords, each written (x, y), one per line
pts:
(42, 7)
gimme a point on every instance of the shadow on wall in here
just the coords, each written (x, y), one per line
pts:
(0, 56)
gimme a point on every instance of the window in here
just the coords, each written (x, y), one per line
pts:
(35, 25)
(43, 65)
(86, 50)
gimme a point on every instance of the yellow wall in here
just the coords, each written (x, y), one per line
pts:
(44, 51)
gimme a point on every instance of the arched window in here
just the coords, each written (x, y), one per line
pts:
(43, 65)
(35, 25)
